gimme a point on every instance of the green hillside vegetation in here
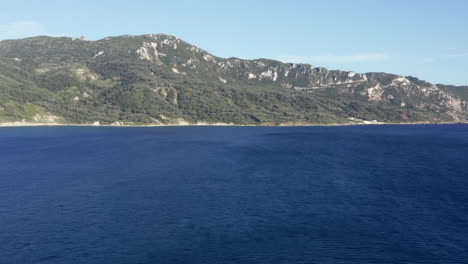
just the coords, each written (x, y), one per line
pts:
(159, 79)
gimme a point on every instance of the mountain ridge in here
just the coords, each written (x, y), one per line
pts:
(161, 79)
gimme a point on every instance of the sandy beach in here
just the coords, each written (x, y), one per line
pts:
(38, 124)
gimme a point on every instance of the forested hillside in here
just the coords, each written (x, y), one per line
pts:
(160, 79)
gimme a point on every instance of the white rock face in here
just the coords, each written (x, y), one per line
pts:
(152, 36)
(100, 53)
(222, 80)
(252, 76)
(267, 74)
(208, 57)
(76, 99)
(144, 54)
(222, 65)
(456, 104)
(375, 93)
(401, 80)
(177, 71)
(97, 123)
(17, 59)
(80, 38)
(170, 42)
(351, 74)
(195, 49)
(275, 76)
(148, 51)
(260, 63)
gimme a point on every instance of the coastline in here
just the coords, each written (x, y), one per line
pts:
(35, 124)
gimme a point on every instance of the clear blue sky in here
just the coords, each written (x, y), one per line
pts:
(427, 39)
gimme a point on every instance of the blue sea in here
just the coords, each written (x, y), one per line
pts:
(356, 194)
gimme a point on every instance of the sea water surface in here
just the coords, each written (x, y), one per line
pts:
(359, 194)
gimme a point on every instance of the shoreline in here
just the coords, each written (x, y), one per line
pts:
(32, 124)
